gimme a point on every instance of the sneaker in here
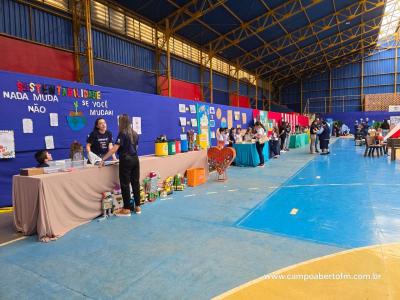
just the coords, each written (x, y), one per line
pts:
(138, 210)
(261, 165)
(123, 213)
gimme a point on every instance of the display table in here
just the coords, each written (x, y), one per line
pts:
(299, 140)
(247, 155)
(52, 204)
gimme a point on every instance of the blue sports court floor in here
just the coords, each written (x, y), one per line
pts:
(203, 241)
(343, 199)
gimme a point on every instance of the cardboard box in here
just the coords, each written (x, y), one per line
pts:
(31, 171)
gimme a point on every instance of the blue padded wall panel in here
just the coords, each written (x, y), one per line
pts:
(117, 76)
(221, 97)
(14, 19)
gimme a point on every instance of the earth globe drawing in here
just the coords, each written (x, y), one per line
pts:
(76, 120)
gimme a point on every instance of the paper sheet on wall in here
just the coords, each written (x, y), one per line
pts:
(53, 119)
(27, 125)
(49, 140)
(7, 144)
(183, 137)
(182, 108)
(213, 134)
(212, 123)
(182, 121)
(237, 115)
(229, 117)
(212, 110)
(194, 122)
(192, 109)
(137, 124)
(244, 118)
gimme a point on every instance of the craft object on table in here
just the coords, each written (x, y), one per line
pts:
(221, 159)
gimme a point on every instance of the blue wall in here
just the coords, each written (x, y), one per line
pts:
(160, 115)
(350, 117)
(378, 77)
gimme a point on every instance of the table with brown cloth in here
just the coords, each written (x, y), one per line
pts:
(53, 204)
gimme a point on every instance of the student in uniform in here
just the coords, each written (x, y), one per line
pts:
(99, 140)
(129, 170)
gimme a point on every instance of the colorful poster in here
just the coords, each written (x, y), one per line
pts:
(212, 110)
(219, 113)
(244, 118)
(237, 115)
(230, 118)
(203, 122)
(7, 144)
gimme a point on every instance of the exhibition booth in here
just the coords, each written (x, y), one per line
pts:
(43, 113)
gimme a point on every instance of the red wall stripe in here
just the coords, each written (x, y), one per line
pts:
(181, 89)
(24, 57)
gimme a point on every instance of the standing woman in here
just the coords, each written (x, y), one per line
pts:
(324, 137)
(260, 136)
(282, 135)
(129, 171)
(313, 136)
(99, 140)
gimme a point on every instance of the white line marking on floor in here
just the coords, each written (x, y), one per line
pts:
(272, 187)
(209, 193)
(294, 211)
(10, 242)
(234, 190)
(163, 199)
(255, 188)
(192, 195)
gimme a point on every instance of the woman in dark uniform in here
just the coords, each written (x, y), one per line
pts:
(129, 170)
(99, 140)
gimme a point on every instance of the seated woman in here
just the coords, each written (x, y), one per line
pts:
(248, 136)
(274, 143)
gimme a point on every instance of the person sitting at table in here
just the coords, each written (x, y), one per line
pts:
(248, 136)
(260, 137)
(274, 142)
(76, 151)
(238, 135)
(220, 137)
(99, 140)
(43, 157)
(129, 170)
(231, 137)
(385, 127)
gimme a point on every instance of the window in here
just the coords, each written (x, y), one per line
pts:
(99, 13)
(117, 20)
(61, 4)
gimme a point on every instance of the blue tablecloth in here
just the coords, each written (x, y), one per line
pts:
(247, 155)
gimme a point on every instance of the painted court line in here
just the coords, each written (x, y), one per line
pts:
(16, 240)
(234, 190)
(192, 195)
(210, 193)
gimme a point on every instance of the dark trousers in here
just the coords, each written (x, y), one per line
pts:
(274, 148)
(260, 148)
(129, 174)
(283, 138)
